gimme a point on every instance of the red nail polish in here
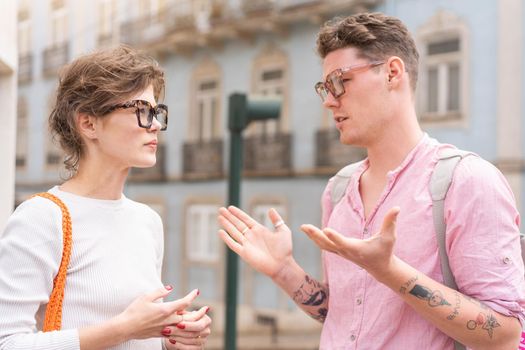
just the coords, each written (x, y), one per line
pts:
(207, 309)
(198, 292)
(168, 287)
(180, 312)
(181, 326)
(166, 331)
(173, 341)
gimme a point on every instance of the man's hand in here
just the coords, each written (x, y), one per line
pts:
(266, 251)
(374, 254)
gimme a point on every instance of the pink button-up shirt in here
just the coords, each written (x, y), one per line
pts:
(482, 242)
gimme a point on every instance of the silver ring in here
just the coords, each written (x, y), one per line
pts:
(278, 223)
(245, 230)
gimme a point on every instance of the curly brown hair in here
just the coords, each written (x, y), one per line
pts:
(375, 35)
(92, 84)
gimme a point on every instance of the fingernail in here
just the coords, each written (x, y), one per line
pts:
(181, 326)
(207, 309)
(180, 312)
(173, 341)
(168, 287)
(166, 331)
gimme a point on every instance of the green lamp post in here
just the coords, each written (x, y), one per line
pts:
(242, 110)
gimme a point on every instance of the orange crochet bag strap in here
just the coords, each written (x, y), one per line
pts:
(53, 315)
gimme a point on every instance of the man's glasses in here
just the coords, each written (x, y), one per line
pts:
(334, 83)
(145, 113)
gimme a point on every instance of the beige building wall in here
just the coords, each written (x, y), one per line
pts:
(8, 93)
(510, 83)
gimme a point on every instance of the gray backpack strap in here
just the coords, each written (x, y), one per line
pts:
(341, 180)
(439, 185)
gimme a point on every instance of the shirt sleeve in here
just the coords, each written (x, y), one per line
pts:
(482, 237)
(30, 255)
(326, 211)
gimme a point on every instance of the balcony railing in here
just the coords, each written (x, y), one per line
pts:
(55, 57)
(191, 15)
(331, 155)
(155, 173)
(257, 7)
(190, 24)
(25, 68)
(268, 155)
(203, 160)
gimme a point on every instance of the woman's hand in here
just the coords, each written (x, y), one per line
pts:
(191, 332)
(146, 318)
(265, 250)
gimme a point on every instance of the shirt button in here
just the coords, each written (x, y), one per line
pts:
(506, 260)
(352, 337)
(365, 231)
(359, 301)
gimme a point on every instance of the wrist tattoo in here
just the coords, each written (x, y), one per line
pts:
(434, 298)
(407, 284)
(313, 293)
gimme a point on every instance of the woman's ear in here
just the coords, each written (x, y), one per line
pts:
(87, 125)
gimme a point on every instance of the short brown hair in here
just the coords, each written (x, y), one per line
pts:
(92, 84)
(375, 35)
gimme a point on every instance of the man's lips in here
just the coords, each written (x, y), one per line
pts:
(152, 143)
(340, 119)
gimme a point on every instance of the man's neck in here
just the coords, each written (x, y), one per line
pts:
(390, 151)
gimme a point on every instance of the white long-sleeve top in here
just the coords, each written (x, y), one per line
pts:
(116, 256)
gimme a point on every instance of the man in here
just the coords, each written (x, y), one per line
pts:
(383, 291)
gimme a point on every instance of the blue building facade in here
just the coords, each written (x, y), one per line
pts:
(470, 93)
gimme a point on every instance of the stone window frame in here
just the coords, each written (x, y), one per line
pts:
(443, 26)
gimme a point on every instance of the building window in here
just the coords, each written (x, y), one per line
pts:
(205, 123)
(270, 78)
(207, 112)
(21, 134)
(24, 32)
(443, 77)
(201, 232)
(54, 156)
(59, 29)
(106, 21)
(442, 94)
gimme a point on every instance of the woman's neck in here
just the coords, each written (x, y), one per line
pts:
(97, 182)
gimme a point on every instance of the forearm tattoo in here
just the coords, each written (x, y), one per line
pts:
(486, 320)
(312, 293)
(434, 298)
(457, 305)
(407, 284)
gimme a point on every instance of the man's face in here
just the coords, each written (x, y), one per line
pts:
(358, 113)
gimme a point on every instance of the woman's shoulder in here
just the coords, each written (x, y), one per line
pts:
(36, 207)
(36, 220)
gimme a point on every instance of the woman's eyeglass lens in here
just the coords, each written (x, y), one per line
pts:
(145, 113)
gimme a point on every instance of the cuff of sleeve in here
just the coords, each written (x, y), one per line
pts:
(511, 309)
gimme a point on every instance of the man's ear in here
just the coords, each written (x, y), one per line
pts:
(87, 125)
(395, 68)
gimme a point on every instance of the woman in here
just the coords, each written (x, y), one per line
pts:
(107, 120)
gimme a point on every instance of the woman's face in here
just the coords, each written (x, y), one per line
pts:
(121, 141)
